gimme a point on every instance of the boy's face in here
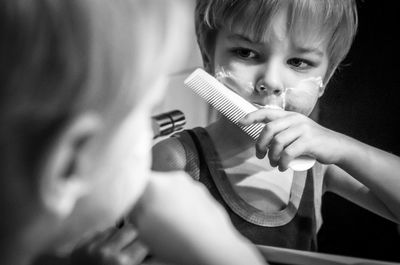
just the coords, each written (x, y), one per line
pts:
(278, 71)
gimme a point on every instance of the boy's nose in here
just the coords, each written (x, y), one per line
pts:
(268, 89)
(269, 81)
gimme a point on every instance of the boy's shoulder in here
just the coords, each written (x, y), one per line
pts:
(169, 155)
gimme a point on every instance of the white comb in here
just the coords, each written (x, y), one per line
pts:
(234, 107)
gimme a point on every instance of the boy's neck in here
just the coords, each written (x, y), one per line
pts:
(230, 140)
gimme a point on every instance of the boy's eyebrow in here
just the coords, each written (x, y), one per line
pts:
(299, 49)
(314, 50)
(241, 38)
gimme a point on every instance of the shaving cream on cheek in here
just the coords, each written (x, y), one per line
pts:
(246, 89)
(303, 97)
(234, 83)
(300, 98)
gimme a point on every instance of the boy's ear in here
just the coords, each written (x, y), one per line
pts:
(321, 89)
(61, 182)
(325, 81)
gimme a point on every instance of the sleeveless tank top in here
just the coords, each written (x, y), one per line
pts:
(292, 227)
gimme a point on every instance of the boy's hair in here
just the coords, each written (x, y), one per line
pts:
(337, 20)
(59, 58)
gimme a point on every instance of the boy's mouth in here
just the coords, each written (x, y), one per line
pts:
(267, 106)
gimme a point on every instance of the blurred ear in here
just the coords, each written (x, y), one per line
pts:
(61, 182)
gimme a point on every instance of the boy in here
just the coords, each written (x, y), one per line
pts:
(279, 55)
(78, 84)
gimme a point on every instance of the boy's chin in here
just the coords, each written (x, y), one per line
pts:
(305, 111)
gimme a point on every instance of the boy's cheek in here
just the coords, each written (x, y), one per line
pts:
(138, 161)
(123, 166)
(301, 105)
(303, 97)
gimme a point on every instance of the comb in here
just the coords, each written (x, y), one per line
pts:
(234, 107)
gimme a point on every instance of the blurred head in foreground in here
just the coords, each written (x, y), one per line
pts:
(78, 79)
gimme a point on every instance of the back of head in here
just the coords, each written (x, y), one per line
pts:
(334, 20)
(45, 61)
(59, 58)
(53, 66)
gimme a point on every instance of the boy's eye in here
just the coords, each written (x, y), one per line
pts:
(244, 53)
(299, 63)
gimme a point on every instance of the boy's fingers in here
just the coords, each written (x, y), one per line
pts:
(112, 250)
(136, 252)
(133, 254)
(294, 150)
(95, 240)
(86, 251)
(268, 133)
(263, 141)
(262, 115)
(120, 237)
(280, 142)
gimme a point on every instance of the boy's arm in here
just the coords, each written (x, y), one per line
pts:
(181, 223)
(287, 135)
(367, 176)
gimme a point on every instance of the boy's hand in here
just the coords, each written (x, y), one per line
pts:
(289, 134)
(111, 247)
(181, 223)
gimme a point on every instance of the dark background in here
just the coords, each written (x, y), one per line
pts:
(363, 101)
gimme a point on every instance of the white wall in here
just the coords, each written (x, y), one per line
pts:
(182, 98)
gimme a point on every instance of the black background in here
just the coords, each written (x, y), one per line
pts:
(363, 101)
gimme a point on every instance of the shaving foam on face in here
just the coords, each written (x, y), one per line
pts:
(303, 97)
(233, 82)
(300, 98)
(246, 90)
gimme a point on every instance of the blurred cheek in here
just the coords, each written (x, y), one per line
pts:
(123, 167)
(133, 145)
(138, 142)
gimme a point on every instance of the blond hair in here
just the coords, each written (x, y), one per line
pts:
(337, 20)
(61, 57)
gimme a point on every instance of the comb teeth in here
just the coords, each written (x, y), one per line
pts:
(230, 104)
